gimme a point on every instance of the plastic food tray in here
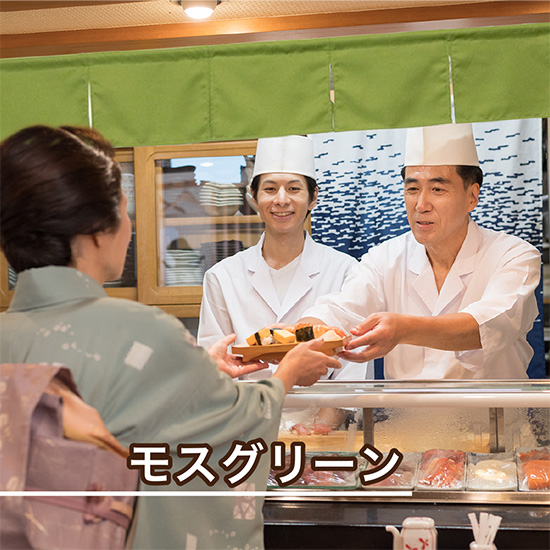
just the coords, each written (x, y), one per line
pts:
(403, 479)
(491, 472)
(534, 477)
(328, 480)
(441, 469)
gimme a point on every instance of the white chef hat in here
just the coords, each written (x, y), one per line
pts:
(289, 155)
(444, 145)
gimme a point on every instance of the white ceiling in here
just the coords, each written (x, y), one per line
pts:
(157, 12)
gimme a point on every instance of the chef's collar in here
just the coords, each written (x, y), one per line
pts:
(465, 258)
(309, 262)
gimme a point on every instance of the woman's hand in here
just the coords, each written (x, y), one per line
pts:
(305, 364)
(232, 364)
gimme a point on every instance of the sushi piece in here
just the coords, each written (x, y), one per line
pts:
(251, 340)
(267, 339)
(321, 330)
(282, 336)
(304, 333)
(261, 338)
(330, 335)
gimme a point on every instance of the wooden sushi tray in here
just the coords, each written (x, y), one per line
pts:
(275, 352)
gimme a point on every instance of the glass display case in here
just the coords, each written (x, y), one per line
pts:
(480, 435)
(497, 426)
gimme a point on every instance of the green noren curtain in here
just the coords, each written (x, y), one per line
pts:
(496, 73)
(264, 89)
(43, 90)
(151, 97)
(391, 81)
(251, 90)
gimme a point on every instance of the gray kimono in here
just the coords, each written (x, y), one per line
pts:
(140, 368)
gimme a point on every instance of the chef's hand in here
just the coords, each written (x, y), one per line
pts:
(328, 419)
(232, 364)
(378, 334)
(305, 364)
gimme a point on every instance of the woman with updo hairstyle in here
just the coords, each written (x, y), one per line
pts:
(56, 183)
(65, 230)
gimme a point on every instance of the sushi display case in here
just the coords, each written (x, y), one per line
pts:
(463, 446)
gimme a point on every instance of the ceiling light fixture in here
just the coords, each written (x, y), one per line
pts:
(199, 9)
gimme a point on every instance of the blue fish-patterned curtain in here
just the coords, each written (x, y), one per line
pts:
(361, 191)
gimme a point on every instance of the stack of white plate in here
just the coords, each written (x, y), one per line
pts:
(214, 252)
(220, 199)
(183, 268)
(181, 201)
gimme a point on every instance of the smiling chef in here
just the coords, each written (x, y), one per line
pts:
(448, 299)
(278, 278)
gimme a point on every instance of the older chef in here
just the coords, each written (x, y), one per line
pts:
(277, 279)
(448, 299)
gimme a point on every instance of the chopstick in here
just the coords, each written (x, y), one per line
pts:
(485, 529)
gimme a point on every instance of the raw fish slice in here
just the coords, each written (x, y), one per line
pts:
(440, 468)
(537, 474)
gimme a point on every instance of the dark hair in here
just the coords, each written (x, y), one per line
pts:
(311, 186)
(55, 183)
(469, 174)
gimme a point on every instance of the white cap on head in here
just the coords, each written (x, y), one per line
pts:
(444, 145)
(289, 155)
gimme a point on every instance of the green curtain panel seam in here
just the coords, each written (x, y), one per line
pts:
(209, 95)
(452, 98)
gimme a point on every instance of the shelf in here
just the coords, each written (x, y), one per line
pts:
(442, 393)
(213, 220)
(465, 496)
(309, 523)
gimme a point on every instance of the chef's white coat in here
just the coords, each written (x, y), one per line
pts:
(239, 296)
(493, 278)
